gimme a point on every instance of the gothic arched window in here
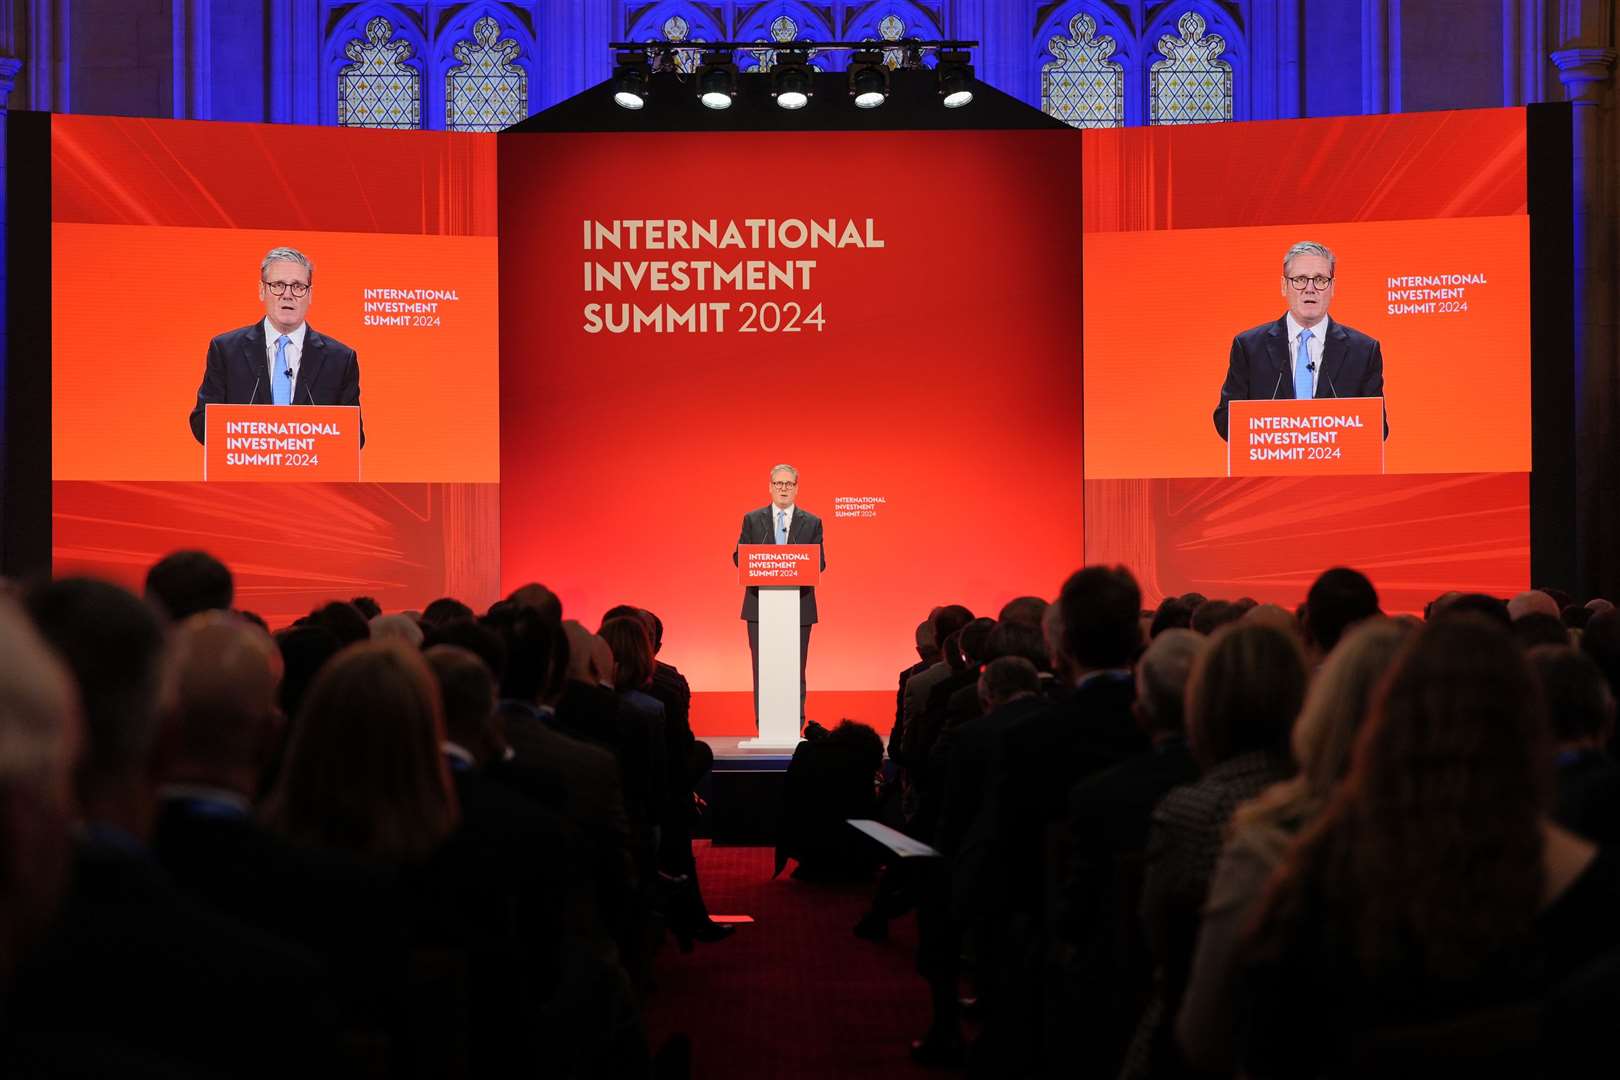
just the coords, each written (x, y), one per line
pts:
(1082, 86)
(485, 91)
(379, 89)
(783, 31)
(1191, 85)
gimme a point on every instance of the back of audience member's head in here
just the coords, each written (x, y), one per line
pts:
(1100, 610)
(1211, 615)
(367, 606)
(1018, 639)
(927, 644)
(253, 617)
(1023, 609)
(537, 596)
(1531, 602)
(39, 742)
(467, 697)
(223, 676)
(861, 740)
(1245, 604)
(949, 620)
(1599, 604)
(1161, 680)
(1580, 705)
(656, 625)
(304, 651)
(479, 637)
(621, 611)
(445, 609)
(1277, 616)
(1489, 607)
(1244, 693)
(627, 638)
(1172, 614)
(1561, 598)
(1335, 710)
(1539, 628)
(537, 654)
(1427, 861)
(396, 627)
(113, 644)
(1193, 599)
(1337, 600)
(364, 771)
(973, 644)
(342, 619)
(590, 661)
(185, 582)
(1601, 641)
(1007, 678)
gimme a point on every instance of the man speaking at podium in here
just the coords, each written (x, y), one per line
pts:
(1304, 354)
(782, 522)
(281, 359)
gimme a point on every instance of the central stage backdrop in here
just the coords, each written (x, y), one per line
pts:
(681, 312)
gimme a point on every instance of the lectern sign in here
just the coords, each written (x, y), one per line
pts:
(1312, 437)
(281, 442)
(779, 564)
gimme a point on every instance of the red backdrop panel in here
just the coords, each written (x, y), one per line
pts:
(1415, 536)
(290, 547)
(945, 382)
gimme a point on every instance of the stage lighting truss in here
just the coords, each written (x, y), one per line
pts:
(792, 80)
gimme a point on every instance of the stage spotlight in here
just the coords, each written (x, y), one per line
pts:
(717, 80)
(791, 80)
(630, 81)
(955, 79)
(868, 79)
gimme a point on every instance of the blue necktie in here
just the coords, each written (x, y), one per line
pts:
(280, 381)
(781, 526)
(1304, 380)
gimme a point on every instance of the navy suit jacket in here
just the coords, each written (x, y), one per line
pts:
(1352, 366)
(237, 374)
(759, 527)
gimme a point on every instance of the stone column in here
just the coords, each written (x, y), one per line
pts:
(1587, 75)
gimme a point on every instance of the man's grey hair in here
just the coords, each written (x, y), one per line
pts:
(784, 468)
(1309, 247)
(286, 254)
(1163, 673)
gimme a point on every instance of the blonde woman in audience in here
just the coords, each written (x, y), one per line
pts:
(1263, 828)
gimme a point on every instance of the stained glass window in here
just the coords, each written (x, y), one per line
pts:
(486, 91)
(678, 30)
(1191, 85)
(1082, 86)
(783, 30)
(892, 28)
(379, 89)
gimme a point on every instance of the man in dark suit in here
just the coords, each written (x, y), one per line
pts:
(281, 359)
(1304, 354)
(782, 522)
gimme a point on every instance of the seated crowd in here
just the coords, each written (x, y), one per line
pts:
(1215, 838)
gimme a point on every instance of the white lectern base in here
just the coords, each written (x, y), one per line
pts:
(779, 701)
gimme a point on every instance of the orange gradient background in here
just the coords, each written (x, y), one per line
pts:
(1163, 306)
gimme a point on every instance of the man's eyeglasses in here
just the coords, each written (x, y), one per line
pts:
(297, 288)
(1319, 281)
(784, 483)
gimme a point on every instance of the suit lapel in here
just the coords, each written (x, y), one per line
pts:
(793, 525)
(1332, 356)
(1277, 351)
(309, 365)
(256, 361)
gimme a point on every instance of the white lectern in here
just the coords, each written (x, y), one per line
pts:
(779, 571)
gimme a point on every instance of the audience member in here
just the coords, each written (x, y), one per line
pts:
(186, 582)
(129, 952)
(1580, 714)
(342, 619)
(948, 620)
(537, 596)
(367, 606)
(1432, 886)
(1171, 614)
(1263, 828)
(1107, 972)
(1533, 602)
(829, 780)
(927, 656)
(1539, 628)
(396, 627)
(445, 609)
(1211, 615)
(1242, 699)
(1338, 599)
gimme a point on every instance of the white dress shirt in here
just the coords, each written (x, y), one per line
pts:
(295, 348)
(788, 510)
(1318, 339)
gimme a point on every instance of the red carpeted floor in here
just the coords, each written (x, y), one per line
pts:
(794, 993)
